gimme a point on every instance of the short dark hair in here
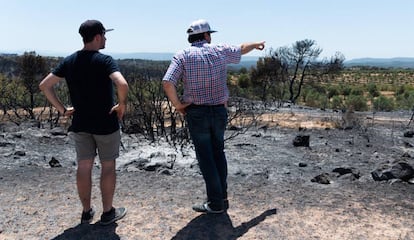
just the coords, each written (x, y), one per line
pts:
(196, 37)
(88, 38)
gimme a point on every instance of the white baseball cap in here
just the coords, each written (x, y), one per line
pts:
(199, 26)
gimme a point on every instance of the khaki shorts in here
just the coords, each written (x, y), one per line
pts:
(86, 145)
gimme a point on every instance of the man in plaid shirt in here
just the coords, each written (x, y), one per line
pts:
(203, 70)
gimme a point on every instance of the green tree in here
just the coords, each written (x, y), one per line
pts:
(357, 91)
(373, 90)
(383, 103)
(268, 78)
(301, 62)
(336, 102)
(332, 91)
(11, 94)
(244, 80)
(315, 98)
(346, 90)
(405, 100)
(356, 102)
(33, 69)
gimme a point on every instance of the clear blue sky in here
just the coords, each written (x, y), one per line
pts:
(356, 28)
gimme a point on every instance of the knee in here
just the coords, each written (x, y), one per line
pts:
(108, 167)
(85, 165)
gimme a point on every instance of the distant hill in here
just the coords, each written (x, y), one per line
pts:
(155, 56)
(247, 61)
(250, 61)
(382, 62)
(399, 62)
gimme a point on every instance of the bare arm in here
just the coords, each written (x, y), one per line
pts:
(247, 47)
(171, 93)
(47, 87)
(122, 93)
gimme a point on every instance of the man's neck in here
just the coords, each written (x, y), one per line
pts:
(90, 47)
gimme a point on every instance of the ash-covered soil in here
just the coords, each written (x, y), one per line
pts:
(330, 189)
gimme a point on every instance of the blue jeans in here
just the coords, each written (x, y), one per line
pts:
(207, 125)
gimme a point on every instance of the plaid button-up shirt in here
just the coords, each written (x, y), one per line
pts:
(203, 68)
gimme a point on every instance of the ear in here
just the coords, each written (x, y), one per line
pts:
(97, 37)
(207, 37)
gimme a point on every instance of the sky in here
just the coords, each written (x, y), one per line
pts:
(355, 28)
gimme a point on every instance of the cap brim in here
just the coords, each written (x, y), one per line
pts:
(108, 30)
(193, 33)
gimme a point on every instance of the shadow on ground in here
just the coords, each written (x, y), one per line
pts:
(89, 231)
(211, 226)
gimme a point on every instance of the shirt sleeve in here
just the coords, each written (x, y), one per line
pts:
(232, 53)
(60, 70)
(175, 70)
(111, 65)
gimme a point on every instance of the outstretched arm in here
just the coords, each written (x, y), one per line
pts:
(247, 47)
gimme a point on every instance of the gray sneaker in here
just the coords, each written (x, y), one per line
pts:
(113, 215)
(205, 208)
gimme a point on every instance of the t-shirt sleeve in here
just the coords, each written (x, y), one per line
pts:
(60, 70)
(111, 65)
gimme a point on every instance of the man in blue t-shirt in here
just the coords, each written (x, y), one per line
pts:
(90, 76)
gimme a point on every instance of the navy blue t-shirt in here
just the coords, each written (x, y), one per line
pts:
(91, 91)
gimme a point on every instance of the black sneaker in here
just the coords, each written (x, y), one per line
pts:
(205, 208)
(87, 216)
(226, 204)
(113, 215)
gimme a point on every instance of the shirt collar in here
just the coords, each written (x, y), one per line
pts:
(199, 43)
